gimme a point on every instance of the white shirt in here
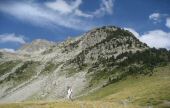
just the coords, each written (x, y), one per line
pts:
(69, 91)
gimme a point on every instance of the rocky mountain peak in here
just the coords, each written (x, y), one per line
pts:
(105, 33)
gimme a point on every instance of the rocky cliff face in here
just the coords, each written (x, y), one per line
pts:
(43, 70)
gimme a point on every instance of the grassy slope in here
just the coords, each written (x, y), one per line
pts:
(130, 93)
(146, 90)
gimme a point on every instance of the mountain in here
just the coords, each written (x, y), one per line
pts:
(36, 46)
(42, 70)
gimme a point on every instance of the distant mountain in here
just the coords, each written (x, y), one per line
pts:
(37, 45)
(42, 70)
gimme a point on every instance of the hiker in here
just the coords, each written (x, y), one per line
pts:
(69, 93)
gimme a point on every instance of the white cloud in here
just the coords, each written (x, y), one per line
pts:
(168, 22)
(12, 38)
(106, 7)
(155, 16)
(158, 17)
(57, 13)
(64, 7)
(7, 50)
(154, 38)
(81, 14)
(41, 16)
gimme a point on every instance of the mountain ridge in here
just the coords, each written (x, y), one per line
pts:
(91, 61)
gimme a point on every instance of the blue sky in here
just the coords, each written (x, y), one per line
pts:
(22, 21)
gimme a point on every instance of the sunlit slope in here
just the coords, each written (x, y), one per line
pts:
(138, 90)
